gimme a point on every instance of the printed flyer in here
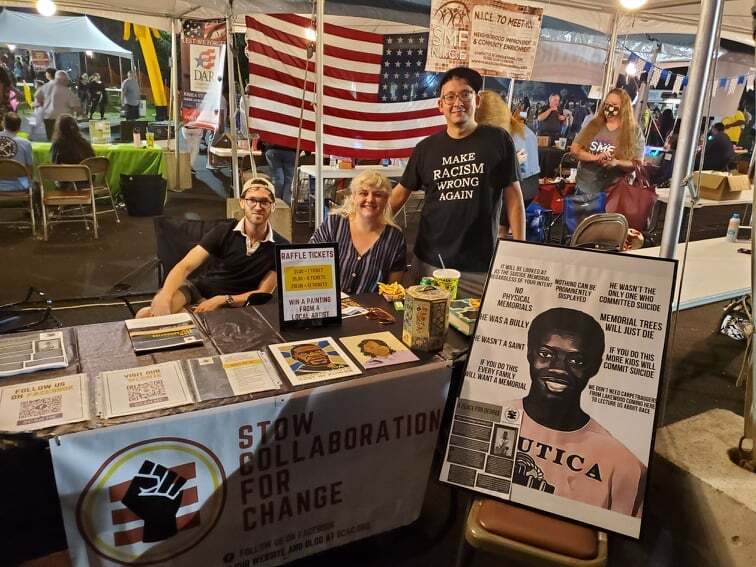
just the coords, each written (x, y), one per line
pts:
(44, 403)
(308, 283)
(565, 368)
(495, 38)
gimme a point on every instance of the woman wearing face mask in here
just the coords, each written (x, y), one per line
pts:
(608, 144)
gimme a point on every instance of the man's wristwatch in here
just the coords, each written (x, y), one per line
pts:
(230, 301)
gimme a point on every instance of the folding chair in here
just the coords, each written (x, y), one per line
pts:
(99, 167)
(603, 231)
(11, 170)
(78, 176)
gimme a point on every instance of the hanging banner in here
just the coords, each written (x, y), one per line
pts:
(203, 59)
(495, 38)
(41, 60)
(259, 483)
(558, 402)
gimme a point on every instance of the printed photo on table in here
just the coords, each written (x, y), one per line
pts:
(374, 350)
(313, 360)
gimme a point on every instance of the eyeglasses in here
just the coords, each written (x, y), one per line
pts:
(264, 203)
(381, 315)
(464, 96)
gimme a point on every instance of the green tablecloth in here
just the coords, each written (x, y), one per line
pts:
(124, 158)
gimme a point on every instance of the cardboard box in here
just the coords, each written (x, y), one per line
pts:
(720, 186)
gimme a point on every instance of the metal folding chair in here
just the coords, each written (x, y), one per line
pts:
(81, 192)
(99, 166)
(603, 231)
(11, 170)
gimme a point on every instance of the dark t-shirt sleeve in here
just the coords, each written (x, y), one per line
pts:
(212, 242)
(411, 178)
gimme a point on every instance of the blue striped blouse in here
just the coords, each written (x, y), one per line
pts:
(361, 274)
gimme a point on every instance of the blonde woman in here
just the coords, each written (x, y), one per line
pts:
(371, 246)
(493, 111)
(608, 144)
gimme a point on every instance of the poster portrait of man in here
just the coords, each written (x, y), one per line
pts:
(310, 357)
(562, 449)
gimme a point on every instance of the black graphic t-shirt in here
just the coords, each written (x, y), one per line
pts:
(463, 180)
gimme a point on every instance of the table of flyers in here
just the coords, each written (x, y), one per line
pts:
(233, 462)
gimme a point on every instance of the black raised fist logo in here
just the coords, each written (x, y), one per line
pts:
(155, 496)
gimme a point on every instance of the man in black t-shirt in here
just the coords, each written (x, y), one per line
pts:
(464, 170)
(246, 255)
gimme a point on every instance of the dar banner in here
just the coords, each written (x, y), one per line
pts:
(261, 482)
(203, 56)
(495, 38)
(559, 398)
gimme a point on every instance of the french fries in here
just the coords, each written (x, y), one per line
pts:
(391, 292)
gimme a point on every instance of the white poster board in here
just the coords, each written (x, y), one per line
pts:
(565, 368)
(262, 483)
(308, 284)
(495, 38)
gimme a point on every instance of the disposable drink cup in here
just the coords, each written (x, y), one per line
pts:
(448, 279)
(137, 140)
(150, 139)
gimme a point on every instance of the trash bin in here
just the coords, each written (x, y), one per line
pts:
(144, 195)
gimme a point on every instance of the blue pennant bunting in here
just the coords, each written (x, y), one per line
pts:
(741, 79)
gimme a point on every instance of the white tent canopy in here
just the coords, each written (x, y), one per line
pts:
(657, 16)
(63, 33)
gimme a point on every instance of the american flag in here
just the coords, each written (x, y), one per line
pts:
(377, 100)
(206, 59)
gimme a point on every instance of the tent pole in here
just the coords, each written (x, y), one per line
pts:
(319, 50)
(120, 70)
(510, 94)
(609, 65)
(175, 101)
(695, 93)
(232, 99)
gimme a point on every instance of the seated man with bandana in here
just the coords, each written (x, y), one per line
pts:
(245, 251)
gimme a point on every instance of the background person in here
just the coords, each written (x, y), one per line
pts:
(372, 248)
(130, 96)
(607, 146)
(718, 150)
(16, 148)
(68, 145)
(281, 161)
(493, 111)
(551, 119)
(246, 254)
(465, 170)
(98, 97)
(57, 98)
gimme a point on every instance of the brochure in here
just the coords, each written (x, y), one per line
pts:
(29, 353)
(231, 375)
(44, 403)
(162, 333)
(143, 389)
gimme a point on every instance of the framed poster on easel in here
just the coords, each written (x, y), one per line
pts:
(558, 406)
(308, 285)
